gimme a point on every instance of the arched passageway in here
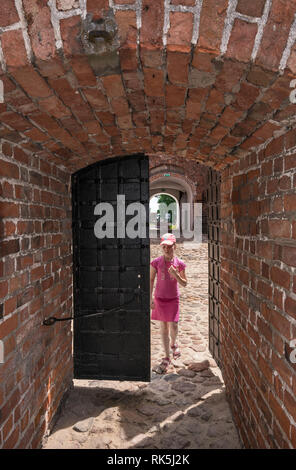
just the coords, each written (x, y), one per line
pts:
(163, 213)
(183, 409)
(203, 82)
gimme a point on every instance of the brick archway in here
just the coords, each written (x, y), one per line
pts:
(200, 80)
(176, 184)
(206, 82)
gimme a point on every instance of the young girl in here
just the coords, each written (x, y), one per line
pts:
(170, 272)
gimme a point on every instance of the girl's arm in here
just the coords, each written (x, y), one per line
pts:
(180, 276)
(152, 278)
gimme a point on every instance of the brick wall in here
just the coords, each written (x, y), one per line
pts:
(206, 80)
(258, 293)
(192, 172)
(203, 81)
(35, 273)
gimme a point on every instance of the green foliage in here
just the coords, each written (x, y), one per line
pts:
(165, 198)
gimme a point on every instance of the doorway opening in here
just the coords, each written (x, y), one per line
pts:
(111, 271)
(164, 211)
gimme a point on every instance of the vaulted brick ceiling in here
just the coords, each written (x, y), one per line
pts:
(206, 80)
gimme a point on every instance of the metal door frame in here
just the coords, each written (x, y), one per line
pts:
(214, 261)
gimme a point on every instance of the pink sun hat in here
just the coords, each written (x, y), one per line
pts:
(168, 239)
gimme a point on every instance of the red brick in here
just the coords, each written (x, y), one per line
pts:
(98, 8)
(229, 117)
(229, 76)
(152, 22)
(8, 326)
(31, 82)
(290, 403)
(259, 77)
(290, 162)
(151, 56)
(54, 107)
(213, 13)
(106, 118)
(9, 170)
(180, 32)
(290, 139)
(16, 55)
(11, 441)
(153, 82)
(288, 255)
(120, 106)
(9, 13)
(265, 131)
(175, 96)
(280, 277)
(52, 68)
(264, 289)
(290, 202)
(83, 71)
(46, 122)
(36, 135)
(203, 60)
(92, 127)
(9, 209)
(241, 41)
(274, 37)
(70, 33)
(96, 98)
(113, 86)
(188, 3)
(274, 147)
(293, 436)
(128, 58)
(21, 156)
(15, 120)
(127, 27)
(279, 228)
(215, 102)
(219, 132)
(254, 8)
(124, 122)
(10, 228)
(290, 306)
(177, 67)
(274, 96)
(194, 103)
(40, 28)
(66, 92)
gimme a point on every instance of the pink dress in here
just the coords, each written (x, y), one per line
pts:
(166, 295)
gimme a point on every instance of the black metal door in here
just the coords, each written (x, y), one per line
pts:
(111, 275)
(213, 200)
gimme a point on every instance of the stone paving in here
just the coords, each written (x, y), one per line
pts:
(182, 409)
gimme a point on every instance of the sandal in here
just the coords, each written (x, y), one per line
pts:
(163, 366)
(176, 351)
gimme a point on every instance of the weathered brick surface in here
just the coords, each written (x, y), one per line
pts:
(183, 91)
(38, 17)
(258, 247)
(65, 89)
(32, 288)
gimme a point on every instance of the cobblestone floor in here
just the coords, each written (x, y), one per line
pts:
(182, 409)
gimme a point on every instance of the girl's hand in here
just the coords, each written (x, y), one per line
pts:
(172, 271)
(152, 305)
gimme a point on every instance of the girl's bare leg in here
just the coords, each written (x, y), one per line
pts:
(173, 332)
(164, 329)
